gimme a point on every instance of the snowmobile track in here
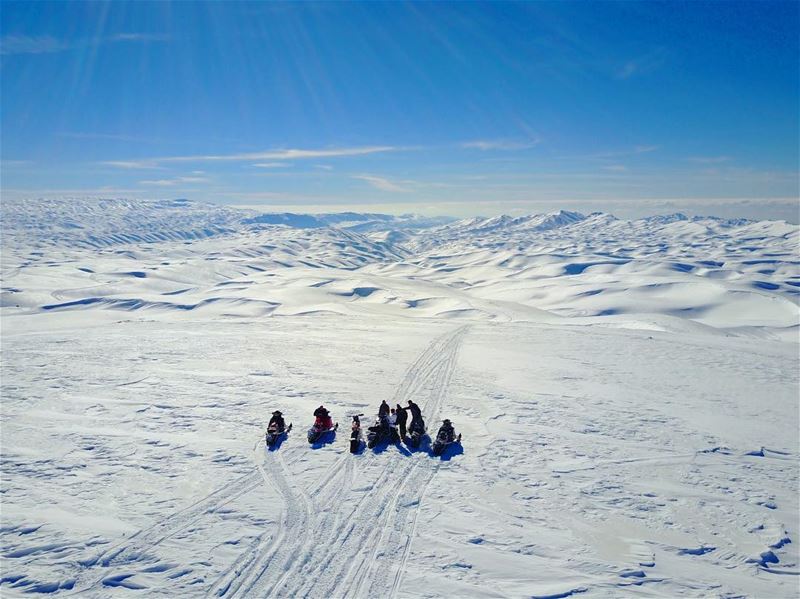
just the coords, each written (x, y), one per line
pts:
(394, 544)
(355, 523)
(291, 562)
(253, 573)
(149, 538)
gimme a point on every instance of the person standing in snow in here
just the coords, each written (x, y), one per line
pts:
(416, 414)
(392, 420)
(402, 417)
(383, 411)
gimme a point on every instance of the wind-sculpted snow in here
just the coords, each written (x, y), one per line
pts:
(666, 273)
(730, 274)
(626, 391)
(97, 223)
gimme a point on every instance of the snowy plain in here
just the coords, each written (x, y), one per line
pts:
(627, 393)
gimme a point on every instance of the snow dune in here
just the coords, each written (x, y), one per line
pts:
(738, 276)
(627, 393)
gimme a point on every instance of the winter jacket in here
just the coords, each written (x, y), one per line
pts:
(415, 410)
(448, 430)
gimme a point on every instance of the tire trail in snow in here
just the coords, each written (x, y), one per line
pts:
(338, 563)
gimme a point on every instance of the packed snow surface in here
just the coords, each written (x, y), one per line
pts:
(627, 392)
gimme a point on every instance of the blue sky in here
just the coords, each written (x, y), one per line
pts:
(459, 108)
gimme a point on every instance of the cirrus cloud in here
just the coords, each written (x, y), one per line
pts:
(382, 183)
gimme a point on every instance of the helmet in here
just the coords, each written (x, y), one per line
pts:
(446, 421)
(277, 412)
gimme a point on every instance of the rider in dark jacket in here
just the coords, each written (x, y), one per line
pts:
(447, 428)
(383, 411)
(416, 413)
(402, 417)
(277, 419)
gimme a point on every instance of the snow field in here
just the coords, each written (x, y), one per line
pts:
(627, 392)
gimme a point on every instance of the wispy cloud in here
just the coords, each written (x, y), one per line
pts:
(501, 144)
(47, 44)
(132, 164)
(382, 183)
(324, 167)
(271, 164)
(174, 181)
(709, 159)
(24, 44)
(642, 65)
(645, 149)
(291, 154)
(110, 136)
(271, 158)
(610, 155)
(616, 168)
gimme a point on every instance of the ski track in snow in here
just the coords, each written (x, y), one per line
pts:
(355, 518)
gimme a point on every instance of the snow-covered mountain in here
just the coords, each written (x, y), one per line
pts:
(626, 391)
(353, 221)
(731, 275)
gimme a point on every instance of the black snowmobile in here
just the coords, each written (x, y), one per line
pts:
(274, 433)
(356, 439)
(379, 433)
(415, 433)
(445, 437)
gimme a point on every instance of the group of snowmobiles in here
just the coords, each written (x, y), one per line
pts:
(389, 427)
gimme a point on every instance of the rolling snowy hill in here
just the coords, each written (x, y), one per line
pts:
(626, 391)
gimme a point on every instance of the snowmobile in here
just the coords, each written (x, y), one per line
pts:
(446, 436)
(274, 433)
(356, 437)
(319, 428)
(415, 433)
(380, 432)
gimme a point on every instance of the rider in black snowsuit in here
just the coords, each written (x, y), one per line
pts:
(402, 417)
(416, 414)
(383, 411)
(277, 419)
(447, 428)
